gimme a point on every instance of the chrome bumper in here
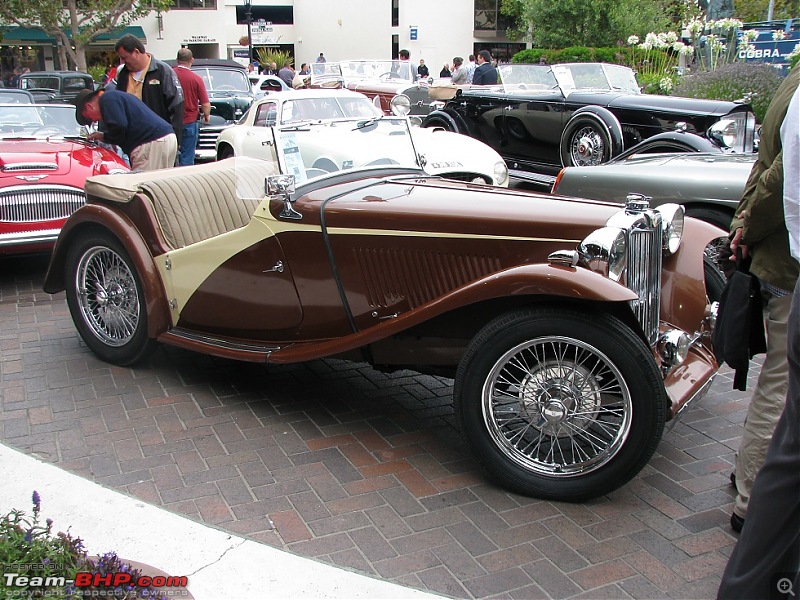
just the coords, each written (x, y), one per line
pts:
(25, 238)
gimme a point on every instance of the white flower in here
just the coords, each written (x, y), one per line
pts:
(751, 35)
(686, 50)
(778, 34)
(671, 37)
(633, 40)
(665, 84)
(795, 51)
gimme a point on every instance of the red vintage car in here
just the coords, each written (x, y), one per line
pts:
(43, 165)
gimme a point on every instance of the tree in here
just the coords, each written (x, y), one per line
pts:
(756, 10)
(566, 23)
(74, 24)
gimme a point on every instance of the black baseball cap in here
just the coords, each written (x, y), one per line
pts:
(80, 101)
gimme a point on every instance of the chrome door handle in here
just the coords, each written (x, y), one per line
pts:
(278, 267)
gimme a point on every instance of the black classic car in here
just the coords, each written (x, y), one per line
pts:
(56, 87)
(543, 117)
(230, 94)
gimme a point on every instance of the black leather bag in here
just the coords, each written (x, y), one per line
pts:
(739, 331)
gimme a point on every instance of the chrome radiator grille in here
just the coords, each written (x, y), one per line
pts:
(207, 137)
(25, 203)
(644, 277)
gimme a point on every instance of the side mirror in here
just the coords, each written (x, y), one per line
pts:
(282, 187)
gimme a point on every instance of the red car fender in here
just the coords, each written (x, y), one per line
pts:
(527, 280)
(99, 216)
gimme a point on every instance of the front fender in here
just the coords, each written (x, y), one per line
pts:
(99, 216)
(683, 292)
(670, 141)
(528, 280)
(447, 119)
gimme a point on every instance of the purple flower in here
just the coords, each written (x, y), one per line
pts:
(37, 501)
(29, 535)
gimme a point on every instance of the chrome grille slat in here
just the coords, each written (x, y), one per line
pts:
(32, 203)
(644, 278)
(39, 166)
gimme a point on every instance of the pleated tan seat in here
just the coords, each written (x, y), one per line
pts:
(193, 203)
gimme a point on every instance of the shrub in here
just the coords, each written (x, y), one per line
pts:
(732, 82)
(25, 541)
(267, 56)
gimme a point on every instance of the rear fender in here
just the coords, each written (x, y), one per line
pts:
(541, 280)
(95, 216)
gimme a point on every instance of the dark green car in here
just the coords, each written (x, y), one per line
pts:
(230, 94)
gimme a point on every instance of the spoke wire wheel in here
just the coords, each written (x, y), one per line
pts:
(586, 147)
(107, 296)
(557, 406)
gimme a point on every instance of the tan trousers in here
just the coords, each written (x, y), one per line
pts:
(767, 402)
(158, 154)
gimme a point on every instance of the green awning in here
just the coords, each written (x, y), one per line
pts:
(27, 35)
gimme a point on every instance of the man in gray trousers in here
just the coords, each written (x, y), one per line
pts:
(766, 561)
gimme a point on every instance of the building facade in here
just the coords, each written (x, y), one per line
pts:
(340, 29)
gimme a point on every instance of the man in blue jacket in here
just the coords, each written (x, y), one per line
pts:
(146, 138)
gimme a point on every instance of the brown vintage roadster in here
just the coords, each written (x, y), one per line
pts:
(574, 329)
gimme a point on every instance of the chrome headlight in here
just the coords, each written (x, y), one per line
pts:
(500, 172)
(673, 346)
(735, 132)
(401, 105)
(672, 215)
(605, 251)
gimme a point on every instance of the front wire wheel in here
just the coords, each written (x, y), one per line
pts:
(106, 300)
(560, 405)
(557, 406)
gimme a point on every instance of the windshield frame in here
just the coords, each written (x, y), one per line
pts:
(345, 145)
(568, 78)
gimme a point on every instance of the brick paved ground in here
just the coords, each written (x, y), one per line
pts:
(354, 467)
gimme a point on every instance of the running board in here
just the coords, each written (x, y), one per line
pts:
(216, 346)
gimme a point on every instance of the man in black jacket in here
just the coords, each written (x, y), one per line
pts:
(152, 81)
(485, 73)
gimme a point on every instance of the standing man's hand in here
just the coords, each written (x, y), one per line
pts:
(736, 241)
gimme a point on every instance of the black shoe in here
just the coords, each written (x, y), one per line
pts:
(737, 522)
(733, 479)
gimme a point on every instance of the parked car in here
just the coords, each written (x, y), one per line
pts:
(391, 84)
(14, 96)
(708, 185)
(265, 84)
(446, 154)
(43, 166)
(230, 94)
(543, 117)
(57, 87)
(574, 329)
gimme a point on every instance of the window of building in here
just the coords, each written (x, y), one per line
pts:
(489, 18)
(272, 15)
(192, 4)
(395, 13)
